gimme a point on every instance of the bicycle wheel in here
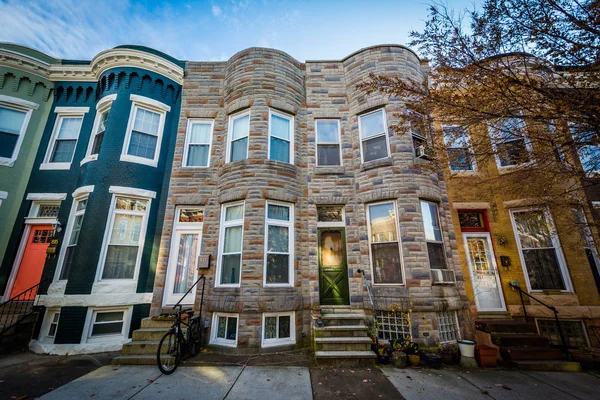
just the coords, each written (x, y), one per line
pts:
(196, 339)
(168, 355)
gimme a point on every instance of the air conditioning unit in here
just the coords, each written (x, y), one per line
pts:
(442, 276)
(423, 152)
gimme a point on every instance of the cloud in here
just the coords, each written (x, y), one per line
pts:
(216, 10)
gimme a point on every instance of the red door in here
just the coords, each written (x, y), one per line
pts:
(34, 257)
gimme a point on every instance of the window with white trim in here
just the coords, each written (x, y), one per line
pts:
(374, 141)
(329, 149)
(510, 142)
(124, 237)
(98, 135)
(281, 137)
(278, 329)
(53, 327)
(279, 253)
(448, 328)
(384, 244)
(229, 266)
(539, 249)
(13, 124)
(224, 329)
(237, 139)
(393, 325)
(72, 236)
(588, 147)
(62, 145)
(198, 141)
(107, 325)
(460, 156)
(433, 235)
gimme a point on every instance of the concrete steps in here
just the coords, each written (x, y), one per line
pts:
(549, 365)
(520, 339)
(516, 353)
(144, 344)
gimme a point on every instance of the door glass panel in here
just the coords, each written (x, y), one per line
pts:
(485, 284)
(186, 262)
(332, 252)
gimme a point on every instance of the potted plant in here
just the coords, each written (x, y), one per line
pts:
(449, 353)
(383, 353)
(432, 359)
(466, 347)
(486, 356)
(412, 352)
(584, 356)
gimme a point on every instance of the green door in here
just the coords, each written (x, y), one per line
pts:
(333, 273)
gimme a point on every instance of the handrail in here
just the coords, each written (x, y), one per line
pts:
(202, 277)
(19, 306)
(562, 336)
(362, 271)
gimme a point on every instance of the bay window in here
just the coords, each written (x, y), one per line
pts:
(384, 244)
(279, 254)
(229, 266)
(373, 136)
(433, 235)
(281, 137)
(237, 139)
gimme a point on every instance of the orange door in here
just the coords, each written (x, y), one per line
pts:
(34, 257)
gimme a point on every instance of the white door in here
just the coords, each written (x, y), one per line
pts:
(181, 271)
(484, 274)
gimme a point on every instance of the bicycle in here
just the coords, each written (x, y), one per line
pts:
(174, 345)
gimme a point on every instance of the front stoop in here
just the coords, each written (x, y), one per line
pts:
(343, 341)
(144, 342)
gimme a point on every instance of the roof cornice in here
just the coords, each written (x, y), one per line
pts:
(19, 61)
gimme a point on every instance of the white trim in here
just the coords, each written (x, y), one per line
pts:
(82, 190)
(17, 102)
(17, 262)
(62, 113)
(73, 214)
(128, 191)
(467, 137)
(3, 195)
(103, 102)
(72, 110)
(278, 341)
(149, 102)
(556, 246)
(427, 241)
(400, 252)
(291, 233)
(214, 329)
(232, 118)
(385, 133)
(103, 295)
(104, 105)
(290, 118)
(14, 103)
(46, 196)
(339, 142)
(491, 260)
(222, 227)
(190, 123)
(86, 336)
(493, 133)
(44, 336)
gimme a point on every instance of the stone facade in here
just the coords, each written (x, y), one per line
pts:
(260, 80)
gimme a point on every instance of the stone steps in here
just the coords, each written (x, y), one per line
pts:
(518, 353)
(148, 334)
(144, 344)
(343, 344)
(140, 347)
(520, 339)
(341, 331)
(135, 360)
(548, 365)
(504, 326)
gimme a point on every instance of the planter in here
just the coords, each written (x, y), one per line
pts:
(433, 360)
(584, 357)
(448, 358)
(399, 359)
(466, 347)
(414, 360)
(383, 360)
(486, 356)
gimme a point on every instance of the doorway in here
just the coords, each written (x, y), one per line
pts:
(333, 270)
(32, 262)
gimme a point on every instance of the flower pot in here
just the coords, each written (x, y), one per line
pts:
(414, 360)
(486, 356)
(467, 348)
(447, 358)
(584, 357)
(399, 359)
(383, 360)
(433, 360)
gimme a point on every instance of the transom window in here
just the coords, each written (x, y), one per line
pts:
(278, 329)
(459, 152)
(433, 235)
(393, 325)
(448, 328)
(279, 250)
(12, 129)
(48, 210)
(198, 143)
(73, 236)
(224, 329)
(125, 237)
(328, 142)
(230, 261)
(373, 136)
(237, 139)
(62, 145)
(281, 140)
(330, 214)
(510, 142)
(385, 247)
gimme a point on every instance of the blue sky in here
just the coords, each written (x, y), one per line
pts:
(211, 30)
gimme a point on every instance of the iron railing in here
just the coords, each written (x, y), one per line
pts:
(375, 329)
(18, 308)
(552, 308)
(200, 278)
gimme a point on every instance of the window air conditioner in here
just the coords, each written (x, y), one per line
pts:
(441, 276)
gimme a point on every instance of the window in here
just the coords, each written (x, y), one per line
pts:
(588, 244)
(588, 147)
(385, 248)
(279, 254)
(13, 124)
(433, 235)
(198, 140)
(124, 237)
(539, 249)
(224, 329)
(106, 325)
(448, 326)
(393, 325)
(472, 221)
(72, 236)
(460, 157)
(329, 150)
(510, 144)
(573, 331)
(144, 131)
(229, 266)
(237, 140)
(373, 136)
(99, 133)
(281, 137)
(47, 210)
(278, 329)
(54, 317)
(330, 216)
(63, 142)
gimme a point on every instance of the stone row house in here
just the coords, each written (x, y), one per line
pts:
(282, 174)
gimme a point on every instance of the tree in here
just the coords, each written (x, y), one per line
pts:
(520, 80)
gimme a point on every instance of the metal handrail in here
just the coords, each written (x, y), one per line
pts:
(362, 271)
(562, 336)
(18, 307)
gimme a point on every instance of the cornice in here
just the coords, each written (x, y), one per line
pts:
(24, 63)
(115, 58)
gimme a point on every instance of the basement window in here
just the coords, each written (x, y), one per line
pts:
(278, 329)
(53, 324)
(224, 329)
(393, 325)
(573, 331)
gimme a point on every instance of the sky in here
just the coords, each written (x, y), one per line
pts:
(211, 30)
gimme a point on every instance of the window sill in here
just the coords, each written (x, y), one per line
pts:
(224, 343)
(56, 166)
(7, 162)
(382, 162)
(464, 173)
(329, 170)
(512, 168)
(93, 157)
(278, 343)
(138, 160)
